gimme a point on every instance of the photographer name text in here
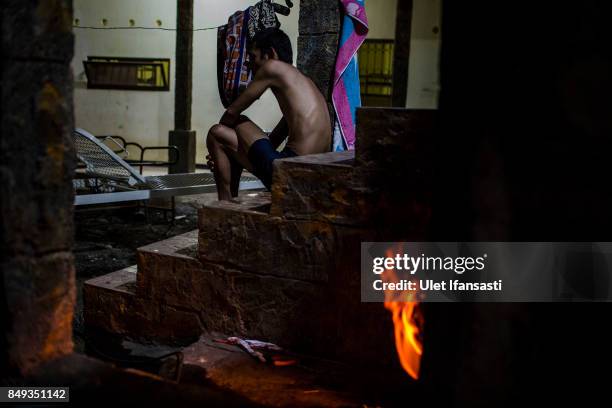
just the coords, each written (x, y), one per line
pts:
(431, 285)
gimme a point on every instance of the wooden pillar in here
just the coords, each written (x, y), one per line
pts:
(401, 55)
(182, 136)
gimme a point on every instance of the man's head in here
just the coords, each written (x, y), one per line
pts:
(271, 43)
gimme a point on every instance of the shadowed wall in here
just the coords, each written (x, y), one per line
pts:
(36, 165)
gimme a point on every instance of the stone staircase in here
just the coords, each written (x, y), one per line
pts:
(283, 266)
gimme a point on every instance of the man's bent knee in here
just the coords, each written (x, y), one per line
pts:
(215, 135)
(216, 130)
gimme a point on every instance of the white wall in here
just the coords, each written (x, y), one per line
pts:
(423, 70)
(146, 117)
(424, 65)
(381, 18)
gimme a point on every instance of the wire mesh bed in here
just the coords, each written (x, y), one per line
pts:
(107, 178)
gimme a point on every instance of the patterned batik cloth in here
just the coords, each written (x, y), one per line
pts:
(233, 74)
(262, 16)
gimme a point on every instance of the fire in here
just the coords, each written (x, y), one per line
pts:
(408, 323)
(407, 335)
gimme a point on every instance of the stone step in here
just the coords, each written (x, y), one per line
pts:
(395, 155)
(244, 235)
(397, 143)
(324, 187)
(175, 297)
(161, 261)
(353, 188)
(121, 282)
(113, 304)
(258, 275)
(225, 298)
(110, 301)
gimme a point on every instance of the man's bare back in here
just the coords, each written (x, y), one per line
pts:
(304, 108)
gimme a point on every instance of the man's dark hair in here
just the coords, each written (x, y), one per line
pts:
(275, 38)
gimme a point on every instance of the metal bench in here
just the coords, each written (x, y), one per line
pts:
(107, 178)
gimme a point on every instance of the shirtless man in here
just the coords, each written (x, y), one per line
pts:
(236, 142)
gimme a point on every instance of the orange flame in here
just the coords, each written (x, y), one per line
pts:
(407, 322)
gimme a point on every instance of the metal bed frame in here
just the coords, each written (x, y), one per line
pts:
(107, 178)
(123, 151)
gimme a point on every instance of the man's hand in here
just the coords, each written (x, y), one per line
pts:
(210, 163)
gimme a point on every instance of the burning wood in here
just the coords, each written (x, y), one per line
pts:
(280, 361)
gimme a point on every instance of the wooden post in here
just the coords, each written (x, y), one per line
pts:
(401, 56)
(182, 136)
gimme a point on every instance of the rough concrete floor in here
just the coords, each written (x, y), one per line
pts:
(304, 382)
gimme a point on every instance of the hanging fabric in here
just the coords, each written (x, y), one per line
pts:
(233, 74)
(346, 93)
(261, 16)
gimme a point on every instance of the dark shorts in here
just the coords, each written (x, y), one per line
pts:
(261, 155)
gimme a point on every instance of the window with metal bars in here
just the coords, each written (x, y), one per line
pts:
(128, 73)
(376, 68)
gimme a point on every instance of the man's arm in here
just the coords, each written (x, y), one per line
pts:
(279, 134)
(262, 81)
